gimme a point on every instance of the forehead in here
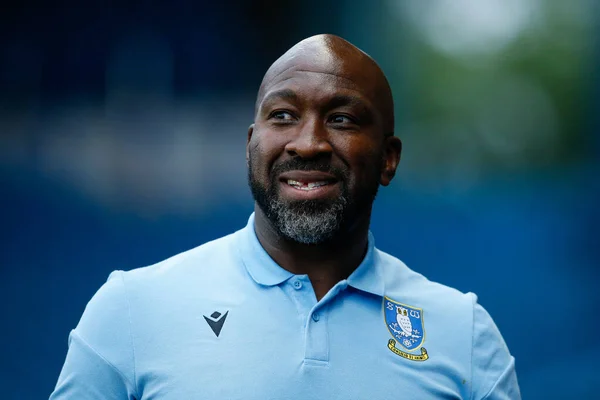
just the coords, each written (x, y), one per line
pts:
(311, 84)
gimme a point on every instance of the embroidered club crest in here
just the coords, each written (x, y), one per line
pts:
(406, 326)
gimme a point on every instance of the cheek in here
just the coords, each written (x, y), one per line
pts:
(365, 163)
(263, 152)
(257, 164)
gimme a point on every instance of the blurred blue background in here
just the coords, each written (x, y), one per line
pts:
(122, 138)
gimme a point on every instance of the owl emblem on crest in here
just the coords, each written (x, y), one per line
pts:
(404, 321)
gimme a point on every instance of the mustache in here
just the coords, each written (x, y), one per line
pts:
(308, 165)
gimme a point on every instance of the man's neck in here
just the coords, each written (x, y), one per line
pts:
(325, 264)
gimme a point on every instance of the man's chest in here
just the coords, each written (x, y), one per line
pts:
(287, 348)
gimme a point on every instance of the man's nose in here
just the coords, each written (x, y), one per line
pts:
(310, 141)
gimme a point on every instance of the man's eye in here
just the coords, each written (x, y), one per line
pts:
(282, 116)
(341, 119)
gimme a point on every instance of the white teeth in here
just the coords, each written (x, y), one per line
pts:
(309, 186)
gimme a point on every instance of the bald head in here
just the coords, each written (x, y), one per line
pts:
(332, 55)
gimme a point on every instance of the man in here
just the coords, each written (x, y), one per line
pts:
(299, 304)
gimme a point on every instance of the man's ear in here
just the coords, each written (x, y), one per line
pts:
(250, 132)
(391, 159)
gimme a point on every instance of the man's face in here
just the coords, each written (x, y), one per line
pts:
(315, 154)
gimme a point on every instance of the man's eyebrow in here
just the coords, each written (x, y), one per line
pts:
(283, 94)
(341, 100)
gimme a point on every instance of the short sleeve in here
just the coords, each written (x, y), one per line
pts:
(100, 359)
(493, 367)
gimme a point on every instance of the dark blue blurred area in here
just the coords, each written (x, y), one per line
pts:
(78, 39)
(98, 173)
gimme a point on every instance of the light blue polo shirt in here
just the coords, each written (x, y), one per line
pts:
(224, 321)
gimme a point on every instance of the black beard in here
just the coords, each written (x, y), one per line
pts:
(309, 221)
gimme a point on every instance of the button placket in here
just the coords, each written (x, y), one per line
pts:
(299, 290)
(317, 337)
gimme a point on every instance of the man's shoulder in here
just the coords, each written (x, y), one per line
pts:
(198, 260)
(402, 282)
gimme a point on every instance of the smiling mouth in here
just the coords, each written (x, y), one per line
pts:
(307, 186)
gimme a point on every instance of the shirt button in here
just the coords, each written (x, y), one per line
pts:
(316, 317)
(297, 285)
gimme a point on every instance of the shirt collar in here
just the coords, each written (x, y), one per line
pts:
(261, 267)
(367, 277)
(265, 271)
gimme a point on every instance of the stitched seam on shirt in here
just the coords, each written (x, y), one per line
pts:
(472, 342)
(111, 365)
(135, 387)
